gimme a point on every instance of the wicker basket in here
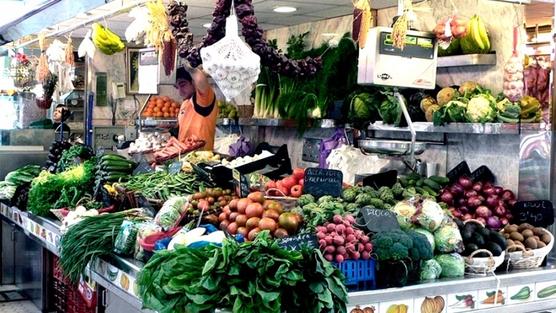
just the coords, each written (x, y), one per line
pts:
(483, 266)
(530, 259)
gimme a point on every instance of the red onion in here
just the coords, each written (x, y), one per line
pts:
(492, 201)
(465, 182)
(483, 211)
(481, 198)
(500, 211)
(463, 209)
(478, 186)
(504, 221)
(481, 220)
(467, 217)
(508, 195)
(447, 198)
(509, 216)
(473, 202)
(462, 201)
(456, 213)
(493, 222)
(456, 189)
(487, 184)
(471, 193)
(498, 190)
(489, 191)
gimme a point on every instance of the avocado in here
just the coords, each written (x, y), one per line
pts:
(470, 248)
(470, 227)
(482, 255)
(498, 239)
(478, 239)
(466, 235)
(459, 223)
(485, 232)
(494, 248)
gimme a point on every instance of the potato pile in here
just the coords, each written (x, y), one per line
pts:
(526, 236)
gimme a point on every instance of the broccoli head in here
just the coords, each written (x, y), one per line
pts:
(392, 245)
(305, 199)
(421, 249)
(349, 194)
(325, 199)
(397, 190)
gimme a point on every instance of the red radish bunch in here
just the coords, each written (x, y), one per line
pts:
(340, 241)
(290, 186)
(457, 24)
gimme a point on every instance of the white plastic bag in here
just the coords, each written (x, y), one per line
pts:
(87, 47)
(230, 62)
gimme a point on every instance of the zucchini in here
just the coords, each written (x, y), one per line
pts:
(441, 180)
(421, 190)
(432, 184)
(114, 157)
(547, 292)
(404, 181)
(111, 168)
(117, 163)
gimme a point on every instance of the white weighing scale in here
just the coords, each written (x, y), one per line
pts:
(382, 64)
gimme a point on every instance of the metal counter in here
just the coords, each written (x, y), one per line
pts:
(118, 276)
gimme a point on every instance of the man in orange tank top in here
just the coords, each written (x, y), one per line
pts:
(198, 112)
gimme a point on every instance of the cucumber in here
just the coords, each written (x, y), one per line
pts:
(432, 184)
(547, 292)
(114, 157)
(404, 181)
(441, 180)
(420, 183)
(110, 168)
(117, 163)
(421, 190)
(430, 191)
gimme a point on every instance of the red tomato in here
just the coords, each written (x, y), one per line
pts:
(288, 182)
(296, 191)
(298, 173)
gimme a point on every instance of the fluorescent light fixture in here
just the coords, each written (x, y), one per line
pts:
(515, 1)
(207, 25)
(328, 34)
(284, 9)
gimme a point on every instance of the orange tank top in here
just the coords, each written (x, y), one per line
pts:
(191, 123)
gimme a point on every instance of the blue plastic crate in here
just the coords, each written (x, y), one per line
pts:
(360, 274)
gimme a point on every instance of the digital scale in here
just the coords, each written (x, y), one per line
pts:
(382, 64)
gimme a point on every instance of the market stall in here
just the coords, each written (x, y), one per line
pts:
(404, 164)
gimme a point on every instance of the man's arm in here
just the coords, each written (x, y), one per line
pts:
(205, 93)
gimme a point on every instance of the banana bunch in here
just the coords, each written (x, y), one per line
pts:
(476, 40)
(106, 40)
(397, 308)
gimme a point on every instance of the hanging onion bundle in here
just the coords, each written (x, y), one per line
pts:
(42, 67)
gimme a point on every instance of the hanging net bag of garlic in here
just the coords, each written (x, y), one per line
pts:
(230, 62)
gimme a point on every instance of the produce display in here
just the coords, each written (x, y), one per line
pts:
(162, 185)
(161, 107)
(21, 177)
(209, 204)
(112, 168)
(339, 240)
(476, 236)
(489, 204)
(149, 142)
(75, 153)
(289, 186)
(227, 110)
(55, 153)
(175, 148)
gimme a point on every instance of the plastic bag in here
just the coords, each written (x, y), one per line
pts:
(448, 239)
(241, 147)
(127, 236)
(430, 216)
(171, 212)
(143, 231)
(327, 145)
(230, 62)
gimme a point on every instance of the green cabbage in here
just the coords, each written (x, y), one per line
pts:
(362, 106)
(448, 239)
(453, 265)
(404, 212)
(430, 269)
(430, 216)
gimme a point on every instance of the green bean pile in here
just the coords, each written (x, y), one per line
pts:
(92, 237)
(161, 185)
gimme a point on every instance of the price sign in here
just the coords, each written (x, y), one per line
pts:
(319, 182)
(460, 170)
(482, 174)
(377, 220)
(376, 181)
(537, 213)
(299, 241)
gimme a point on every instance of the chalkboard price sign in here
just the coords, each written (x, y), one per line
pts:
(378, 220)
(299, 241)
(537, 213)
(376, 181)
(483, 174)
(460, 170)
(319, 182)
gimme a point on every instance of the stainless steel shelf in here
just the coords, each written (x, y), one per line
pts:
(162, 123)
(467, 60)
(274, 122)
(465, 128)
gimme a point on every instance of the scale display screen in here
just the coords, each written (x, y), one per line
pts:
(415, 46)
